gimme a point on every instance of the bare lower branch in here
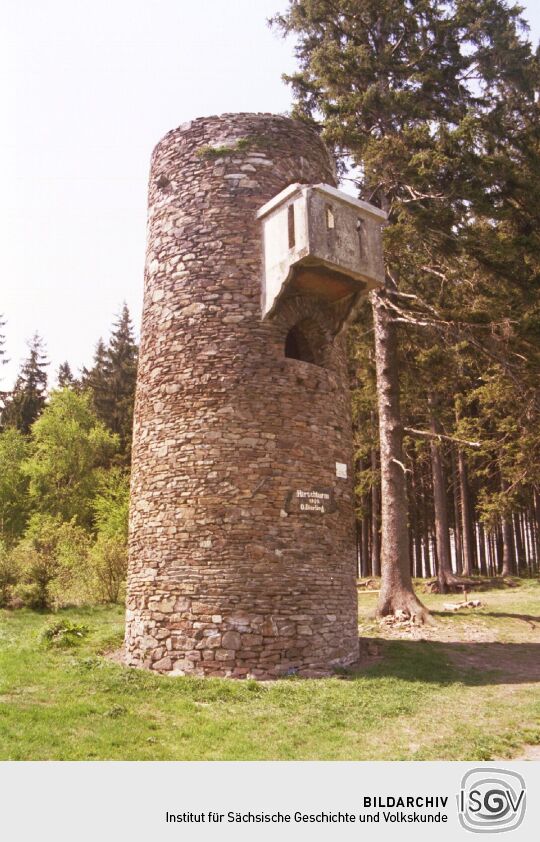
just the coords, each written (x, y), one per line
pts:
(401, 465)
(440, 436)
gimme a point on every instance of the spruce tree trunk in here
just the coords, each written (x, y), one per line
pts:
(482, 550)
(410, 530)
(526, 540)
(445, 574)
(434, 556)
(375, 509)
(415, 525)
(533, 541)
(521, 561)
(425, 529)
(396, 592)
(491, 558)
(536, 510)
(365, 545)
(458, 543)
(495, 550)
(468, 553)
(507, 540)
(498, 542)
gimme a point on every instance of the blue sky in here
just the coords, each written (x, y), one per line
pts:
(87, 89)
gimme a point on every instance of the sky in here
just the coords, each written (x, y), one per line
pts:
(87, 88)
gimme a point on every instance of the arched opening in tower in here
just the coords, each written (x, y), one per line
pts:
(305, 342)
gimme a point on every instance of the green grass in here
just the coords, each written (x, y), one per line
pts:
(423, 700)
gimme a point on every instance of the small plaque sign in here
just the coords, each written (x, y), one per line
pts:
(318, 501)
(341, 470)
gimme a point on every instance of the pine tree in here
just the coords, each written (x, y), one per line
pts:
(95, 380)
(3, 360)
(65, 377)
(112, 379)
(390, 84)
(122, 378)
(27, 399)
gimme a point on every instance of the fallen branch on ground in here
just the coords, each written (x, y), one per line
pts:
(456, 606)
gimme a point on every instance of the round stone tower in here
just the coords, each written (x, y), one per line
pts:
(242, 542)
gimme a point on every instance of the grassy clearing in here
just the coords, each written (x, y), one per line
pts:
(467, 689)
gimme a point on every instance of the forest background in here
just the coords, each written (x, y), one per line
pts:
(432, 111)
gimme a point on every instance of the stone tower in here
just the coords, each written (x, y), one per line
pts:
(242, 542)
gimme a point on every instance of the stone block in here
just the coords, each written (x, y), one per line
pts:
(232, 640)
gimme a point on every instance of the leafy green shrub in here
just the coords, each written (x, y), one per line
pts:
(73, 582)
(69, 447)
(63, 633)
(28, 595)
(111, 504)
(108, 559)
(14, 504)
(53, 560)
(9, 576)
(38, 564)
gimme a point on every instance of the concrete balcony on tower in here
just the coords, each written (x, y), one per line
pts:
(319, 241)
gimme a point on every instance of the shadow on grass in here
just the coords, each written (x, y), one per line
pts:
(471, 663)
(529, 618)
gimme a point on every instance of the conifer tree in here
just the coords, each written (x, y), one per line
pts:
(27, 399)
(65, 377)
(95, 380)
(111, 381)
(412, 94)
(3, 359)
(122, 376)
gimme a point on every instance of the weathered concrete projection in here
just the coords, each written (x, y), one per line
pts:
(242, 544)
(320, 241)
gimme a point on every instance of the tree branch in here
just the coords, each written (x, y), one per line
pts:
(440, 436)
(401, 465)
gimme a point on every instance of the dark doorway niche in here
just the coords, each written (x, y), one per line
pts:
(305, 342)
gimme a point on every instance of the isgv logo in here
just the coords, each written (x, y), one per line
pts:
(491, 800)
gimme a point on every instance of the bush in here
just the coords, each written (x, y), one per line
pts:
(111, 504)
(9, 576)
(53, 560)
(56, 563)
(108, 559)
(63, 633)
(28, 595)
(69, 447)
(38, 566)
(13, 485)
(109, 553)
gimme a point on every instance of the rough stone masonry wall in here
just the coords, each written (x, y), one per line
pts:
(222, 581)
